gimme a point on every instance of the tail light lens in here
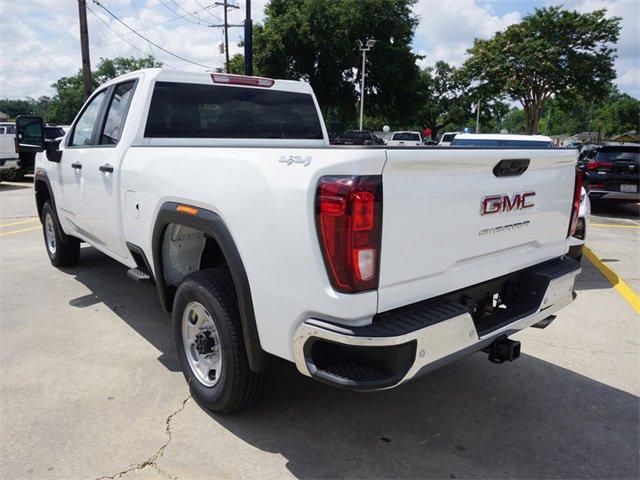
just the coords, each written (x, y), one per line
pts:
(349, 223)
(575, 207)
(599, 165)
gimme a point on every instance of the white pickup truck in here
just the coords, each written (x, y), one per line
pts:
(364, 266)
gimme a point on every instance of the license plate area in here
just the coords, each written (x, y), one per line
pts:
(628, 188)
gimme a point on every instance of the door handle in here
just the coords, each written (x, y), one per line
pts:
(76, 166)
(106, 168)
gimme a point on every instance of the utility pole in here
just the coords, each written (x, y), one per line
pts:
(248, 41)
(478, 118)
(84, 46)
(227, 6)
(364, 48)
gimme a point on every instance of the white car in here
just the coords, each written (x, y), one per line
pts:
(576, 241)
(9, 160)
(501, 140)
(265, 241)
(447, 138)
(405, 139)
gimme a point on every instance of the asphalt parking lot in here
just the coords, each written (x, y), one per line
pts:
(90, 386)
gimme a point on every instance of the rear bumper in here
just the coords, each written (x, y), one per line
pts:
(606, 195)
(414, 340)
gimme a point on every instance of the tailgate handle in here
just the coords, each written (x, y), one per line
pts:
(511, 167)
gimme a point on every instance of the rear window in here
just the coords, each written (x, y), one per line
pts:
(447, 137)
(407, 137)
(612, 154)
(180, 110)
(472, 142)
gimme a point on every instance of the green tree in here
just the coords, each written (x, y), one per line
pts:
(316, 41)
(69, 96)
(551, 52)
(27, 106)
(448, 101)
(236, 65)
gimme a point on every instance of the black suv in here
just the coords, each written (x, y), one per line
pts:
(612, 172)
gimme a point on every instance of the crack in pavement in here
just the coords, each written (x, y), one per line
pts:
(151, 461)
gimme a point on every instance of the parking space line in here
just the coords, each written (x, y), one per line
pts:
(623, 289)
(13, 232)
(607, 225)
(21, 222)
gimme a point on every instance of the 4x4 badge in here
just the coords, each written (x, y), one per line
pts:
(290, 159)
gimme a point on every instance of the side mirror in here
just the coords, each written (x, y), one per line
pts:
(29, 134)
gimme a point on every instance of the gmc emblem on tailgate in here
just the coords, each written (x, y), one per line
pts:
(505, 203)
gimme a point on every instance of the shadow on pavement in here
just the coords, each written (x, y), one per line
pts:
(7, 187)
(529, 419)
(591, 278)
(137, 304)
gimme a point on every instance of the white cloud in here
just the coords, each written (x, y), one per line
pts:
(39, 40)
(447, 28)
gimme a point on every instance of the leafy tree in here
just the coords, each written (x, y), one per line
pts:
(316, 41)
(69, 96)
(448, 101)
(28, 106)
(552, 51)
(236, 65)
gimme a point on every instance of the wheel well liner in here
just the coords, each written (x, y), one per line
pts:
(211, 224)
(44, 192)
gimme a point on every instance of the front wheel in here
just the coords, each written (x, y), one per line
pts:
(210, 343)
(61, 253)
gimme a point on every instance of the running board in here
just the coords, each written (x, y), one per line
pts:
(139, 275)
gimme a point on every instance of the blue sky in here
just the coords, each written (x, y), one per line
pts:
(39, 39)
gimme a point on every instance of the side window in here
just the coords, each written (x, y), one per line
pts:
(116, 114)
(83, 131)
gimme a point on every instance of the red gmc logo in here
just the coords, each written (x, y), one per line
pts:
(505, 203)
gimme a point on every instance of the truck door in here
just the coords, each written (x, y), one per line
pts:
(79, 150)
(102, 173)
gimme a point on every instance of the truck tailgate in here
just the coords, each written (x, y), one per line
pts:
(435, 237)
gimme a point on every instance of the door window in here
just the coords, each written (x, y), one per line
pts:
(83, 131)
(116, 114)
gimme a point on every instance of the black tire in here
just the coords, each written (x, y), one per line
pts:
(238, 386)
(65, 253)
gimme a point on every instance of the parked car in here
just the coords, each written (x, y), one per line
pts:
(501, 140)
(405, 139)
(446, 138)
(266, 242)
(9, 159)
(357, 137)
(612, 173)
(576, 241)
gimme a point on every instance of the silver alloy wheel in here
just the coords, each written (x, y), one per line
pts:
(50, 233)
(201, 344)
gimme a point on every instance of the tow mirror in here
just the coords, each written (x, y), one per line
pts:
(29, 134)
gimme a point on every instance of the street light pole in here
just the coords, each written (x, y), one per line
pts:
(364, 48)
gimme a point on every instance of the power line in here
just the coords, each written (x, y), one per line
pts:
(121, 36)
(207, 9)
(192, 14)
(147, 40)
(184, 17)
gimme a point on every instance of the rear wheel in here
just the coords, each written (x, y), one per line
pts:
(61, 253)
(210, 344)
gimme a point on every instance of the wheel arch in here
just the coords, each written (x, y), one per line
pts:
(43, 193)
(211, 224)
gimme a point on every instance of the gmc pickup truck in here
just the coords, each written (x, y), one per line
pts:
(365, 266)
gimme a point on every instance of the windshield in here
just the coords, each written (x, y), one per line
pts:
(51, 133)
(8, 129)
(612, 154)
(447, 137)
(477, 142)
(406, 136)
(353, 135)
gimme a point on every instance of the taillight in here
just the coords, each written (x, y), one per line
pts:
(598, 165)
(349, 223)
(575, 207)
